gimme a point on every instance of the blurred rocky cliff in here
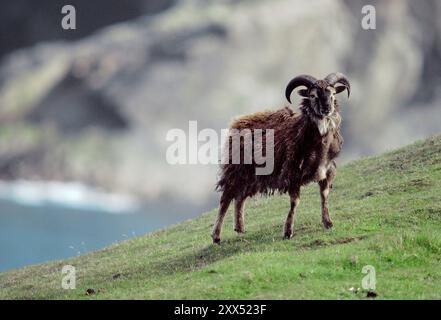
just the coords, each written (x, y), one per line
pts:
(95, 106)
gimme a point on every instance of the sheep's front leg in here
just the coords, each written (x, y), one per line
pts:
(325, 187)
(289, 224)
(223, 207)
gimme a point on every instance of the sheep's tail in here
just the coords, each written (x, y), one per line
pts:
(221, 181)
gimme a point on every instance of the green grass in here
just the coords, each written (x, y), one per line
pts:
(386, 212)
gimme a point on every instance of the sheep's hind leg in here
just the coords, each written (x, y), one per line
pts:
(289, 224)
(325, 186)
(239, 226)
(223, 207)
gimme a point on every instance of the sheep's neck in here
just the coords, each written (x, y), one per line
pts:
(328, 123)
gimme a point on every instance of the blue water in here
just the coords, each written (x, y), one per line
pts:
(30, 235)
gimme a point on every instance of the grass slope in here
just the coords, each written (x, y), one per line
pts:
(386, 212)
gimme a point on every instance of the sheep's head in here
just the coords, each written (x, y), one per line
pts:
(320, 93)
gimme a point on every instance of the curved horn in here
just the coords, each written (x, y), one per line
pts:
(338, 77)
(302, 80)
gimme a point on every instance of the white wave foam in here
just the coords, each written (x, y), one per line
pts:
(66, 194)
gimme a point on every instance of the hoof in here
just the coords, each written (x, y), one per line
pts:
(287, 235)
(239, 230)
(327, 224)
(216, 240)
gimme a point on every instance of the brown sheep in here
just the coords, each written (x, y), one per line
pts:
(305, 146)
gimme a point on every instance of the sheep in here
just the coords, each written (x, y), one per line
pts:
(306, 144)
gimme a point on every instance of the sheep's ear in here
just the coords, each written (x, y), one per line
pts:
(303, 92)
(340, 89)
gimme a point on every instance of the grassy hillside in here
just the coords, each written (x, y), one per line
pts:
(386, 212)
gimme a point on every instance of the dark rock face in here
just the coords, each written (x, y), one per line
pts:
(71, 106)
(24, 23)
